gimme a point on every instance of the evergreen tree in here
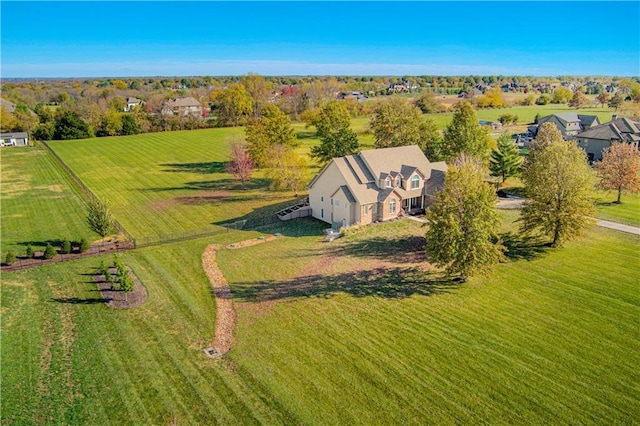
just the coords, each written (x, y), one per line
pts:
(99, 217)
(333, 128)
(50, 252)
(462, 222)
(70, 126)
(558, 185)
(464, 135)
(29, 253)
(10, 259)
(505, 160)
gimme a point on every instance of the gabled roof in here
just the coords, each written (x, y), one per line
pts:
(386, 160)
(9, 106)
(183, 102)
(132, 100)
(345, 190)
(587, 120)
(621, 129)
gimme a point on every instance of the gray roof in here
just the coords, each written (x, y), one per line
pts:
(19, 135)
(183, 102)
(9, 106)
(387, 160)
(132, 100)
(345, 190)
(587, 120)
(621, 129)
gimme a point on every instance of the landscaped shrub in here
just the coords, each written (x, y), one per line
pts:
(127, 284)
(84, 245)
(66, 247)
(50, 252)
(29, 252)
(11, 258)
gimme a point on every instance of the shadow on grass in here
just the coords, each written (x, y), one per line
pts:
(55, 243)
(398, 250)
(225, 184)
(523, 247)
(78, 301)
(306, 135)
(202, 168)
(388, 283)
(264, 219)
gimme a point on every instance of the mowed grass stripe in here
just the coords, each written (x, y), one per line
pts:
(533, 342)
(167, 183)
(39, 203)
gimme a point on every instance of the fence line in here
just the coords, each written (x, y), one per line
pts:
(76, 179)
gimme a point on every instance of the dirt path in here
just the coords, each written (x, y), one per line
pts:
(225, 315)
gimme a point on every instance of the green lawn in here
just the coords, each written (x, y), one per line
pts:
(526, 114)
(354, 333)
(627, 212)
(166, 183)
(39, 203)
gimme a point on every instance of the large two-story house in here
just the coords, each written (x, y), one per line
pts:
(618, 130)
(375, 185)
(569, 124)
(188, 106)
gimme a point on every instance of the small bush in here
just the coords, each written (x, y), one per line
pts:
(84, 245)
(127, 284)
(29, 253)
(66, 247)
(11, 258)
(50, 252)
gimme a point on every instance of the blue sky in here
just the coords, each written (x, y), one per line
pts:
(106, 39)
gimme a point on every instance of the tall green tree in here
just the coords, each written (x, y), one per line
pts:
(273, 128)
(70, 126)
(99, 217)
(505, 160)
(337, 139)
(462, 222)
(558, 186)
(398, 123)
(464, 135)
(619, 169)
(286, 169)
(232, 105)
(259, 89)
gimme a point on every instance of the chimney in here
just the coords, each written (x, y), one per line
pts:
(614, 117)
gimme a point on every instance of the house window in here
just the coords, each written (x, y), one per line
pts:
(322, 198)
(387, 182)
(321, 212)
(336, 203)
(397, 181)
(374, 209)
(392, 206)
(415, 182)
(365, 210)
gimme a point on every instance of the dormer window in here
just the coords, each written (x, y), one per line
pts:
(415, 182)
(387, 182)
(397, 181)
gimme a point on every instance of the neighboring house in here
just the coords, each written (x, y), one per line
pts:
(182, 107)
(9, 106)
(569, 124)
(352, 95)
(495, 125)
(132, 103)
(14, 139)
(597, 138)
(375, 185)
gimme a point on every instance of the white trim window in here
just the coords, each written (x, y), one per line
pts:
(415, 182)
(365, 210)
(392, 206)
(387, 182)
(398, 180)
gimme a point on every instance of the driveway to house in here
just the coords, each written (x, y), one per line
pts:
(619, 227)
(516, 203)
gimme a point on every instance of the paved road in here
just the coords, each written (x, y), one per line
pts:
(619, 227)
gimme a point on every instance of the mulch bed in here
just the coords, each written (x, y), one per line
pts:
(117, 298)
(254, 241)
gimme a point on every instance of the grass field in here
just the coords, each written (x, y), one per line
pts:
(166, 183)
(357, 331)
(627, 212)
(39, 203)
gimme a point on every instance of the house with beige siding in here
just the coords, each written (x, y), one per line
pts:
(619, 130)
(375, 185)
